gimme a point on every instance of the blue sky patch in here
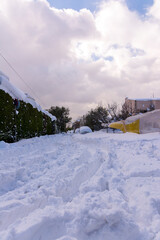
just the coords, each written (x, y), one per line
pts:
(95, 57)
(139, 5)
(109, 58)
(135, 51)
(134, 5)
(73, 4)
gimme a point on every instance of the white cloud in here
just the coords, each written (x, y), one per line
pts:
(79, 59)
(154, 11)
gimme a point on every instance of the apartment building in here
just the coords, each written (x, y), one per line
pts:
(135, 106)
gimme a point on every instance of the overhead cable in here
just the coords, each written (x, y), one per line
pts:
(20, 77)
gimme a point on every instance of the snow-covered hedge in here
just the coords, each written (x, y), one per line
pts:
(20, 115)
(25, 123)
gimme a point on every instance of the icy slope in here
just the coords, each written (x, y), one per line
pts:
(96, 186)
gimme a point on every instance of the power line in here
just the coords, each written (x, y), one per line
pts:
(21, 78)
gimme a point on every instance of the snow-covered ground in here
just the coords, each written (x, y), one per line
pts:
(96, 186)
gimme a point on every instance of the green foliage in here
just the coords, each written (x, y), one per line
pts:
(27, 122)
(7, 124)
(95, 118)
(62, 115)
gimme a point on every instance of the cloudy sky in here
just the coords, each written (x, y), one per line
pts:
(80, 53)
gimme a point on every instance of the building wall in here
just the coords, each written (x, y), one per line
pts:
(136, 105)
(130, 104)
(156, 104)
(143, 105)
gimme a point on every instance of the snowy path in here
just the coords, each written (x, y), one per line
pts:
(96, 186)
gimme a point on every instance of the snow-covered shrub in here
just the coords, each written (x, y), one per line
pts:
(25, 122)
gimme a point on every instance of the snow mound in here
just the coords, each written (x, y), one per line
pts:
(3, 144)
(85, 129)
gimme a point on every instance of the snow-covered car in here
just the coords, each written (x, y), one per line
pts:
(77, 130)
(85, 129)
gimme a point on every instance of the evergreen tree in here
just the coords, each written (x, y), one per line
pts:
(62, 115)
(95, 118)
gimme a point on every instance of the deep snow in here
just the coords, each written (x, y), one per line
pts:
(96, 186)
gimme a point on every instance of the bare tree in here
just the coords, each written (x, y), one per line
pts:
(113, 111)
(125, 112)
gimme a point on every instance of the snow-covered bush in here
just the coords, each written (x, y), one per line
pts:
(25, 122)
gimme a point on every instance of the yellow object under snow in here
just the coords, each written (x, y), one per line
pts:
(141, 123)
(132, 127)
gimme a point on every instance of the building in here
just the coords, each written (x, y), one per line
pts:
(135, 106)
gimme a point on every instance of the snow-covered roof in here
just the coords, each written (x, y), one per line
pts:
(14, 92)
(144, 99)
